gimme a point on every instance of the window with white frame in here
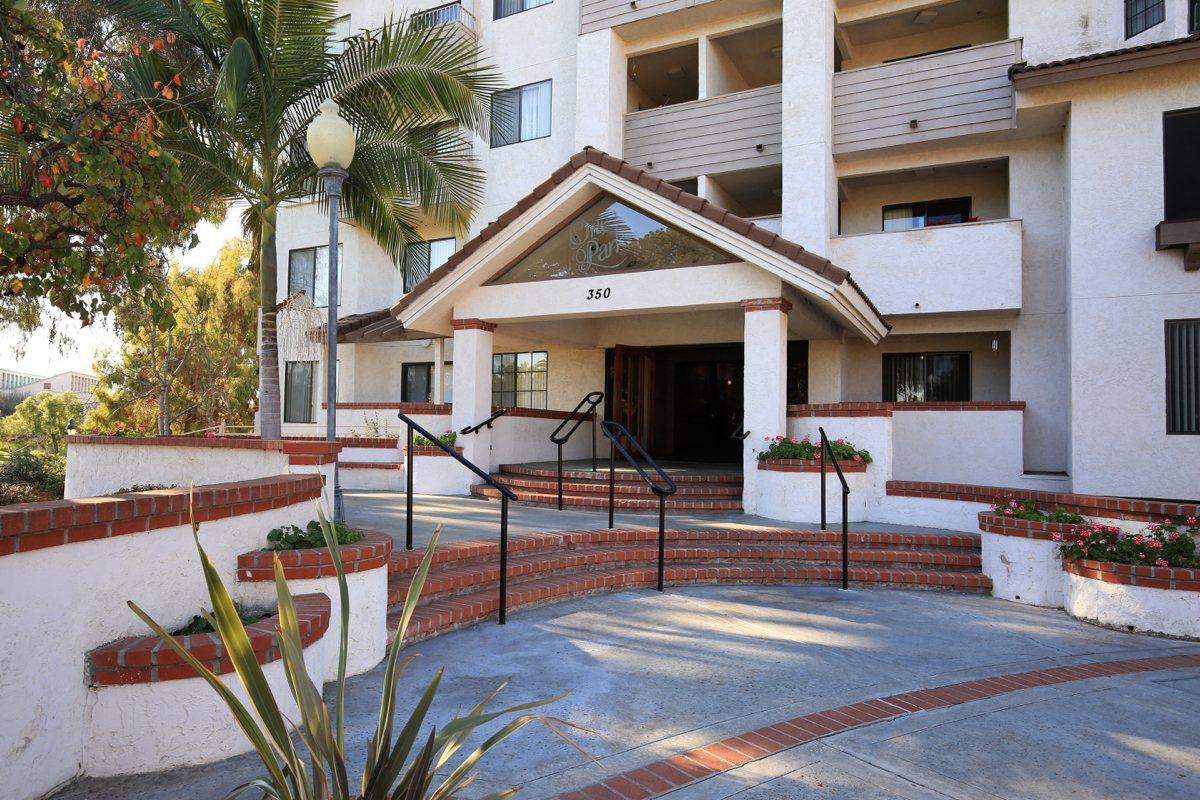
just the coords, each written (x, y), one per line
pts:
(421, 258)
(506, 8)
(521, 114)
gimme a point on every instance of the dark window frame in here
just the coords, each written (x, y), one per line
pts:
(1169, 171)
(517, 91)
(404, 368)
(501, 396)
(496, 9)
(312, 379)
(924, 356)
(1180, 426)
(1141, 12)
(1193, 16)
(313, 278)
(925, 205)
(406, 272)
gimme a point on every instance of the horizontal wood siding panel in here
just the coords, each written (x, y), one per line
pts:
(949, 94)
(717, 134)
(595, 15)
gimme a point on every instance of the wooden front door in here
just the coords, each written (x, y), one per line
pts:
(633, 392)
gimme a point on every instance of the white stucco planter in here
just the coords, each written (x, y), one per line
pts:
(312, 571)
(795, 496)
(1022, 559)
(1129, 598)
(434, 472)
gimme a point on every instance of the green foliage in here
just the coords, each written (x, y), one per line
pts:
(448, 438)
(1160, 544)
(781, 447)
(41, 420)
(243, 79)
(1028, 510)
(144, 487)
(89, 199)
(405, 764)
(29, 476)
(293, 537)
(201, 624)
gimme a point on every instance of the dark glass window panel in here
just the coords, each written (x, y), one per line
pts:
(417, 383)
(506, 8)
(421, 258)
(298, 391)
(907, 216)
(947, 377)
(609, 238)
(1181, 164)
(1193, 16)
(903, 377)
(1183, 376)
(521, 114)
(797, 373)
(1142, 15)
(308, 271)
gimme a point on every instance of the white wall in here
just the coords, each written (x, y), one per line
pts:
(1066, 28)
(978, 447)
(1139, 608)
(99, 469)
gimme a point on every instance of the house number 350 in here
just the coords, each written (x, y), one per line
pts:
(599, 294)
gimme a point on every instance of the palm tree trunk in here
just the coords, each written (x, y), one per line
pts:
(269, 423)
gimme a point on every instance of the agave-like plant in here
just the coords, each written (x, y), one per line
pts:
(403, 766)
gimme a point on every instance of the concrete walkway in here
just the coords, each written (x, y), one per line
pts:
(655, 675)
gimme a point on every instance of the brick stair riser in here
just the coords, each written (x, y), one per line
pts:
(454, 581)
(550, 500)
(601, 476)
(446, 615)
(639, 489)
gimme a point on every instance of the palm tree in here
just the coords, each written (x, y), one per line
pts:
(236, 82)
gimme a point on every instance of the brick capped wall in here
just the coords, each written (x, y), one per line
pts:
(370, 552)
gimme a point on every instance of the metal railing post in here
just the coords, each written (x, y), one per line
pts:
(612, 480)
(503, 557)
(845, 540)
(408, 506)
(822, 482)
(560, 479)
(593, 439)
(662, 538)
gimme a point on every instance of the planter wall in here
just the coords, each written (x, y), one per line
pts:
(434, 472)
(1162, 600)
(312, 571)
(791, 491)
(1022, 559)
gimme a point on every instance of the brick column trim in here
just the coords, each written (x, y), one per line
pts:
(473, 324)
(766, 304)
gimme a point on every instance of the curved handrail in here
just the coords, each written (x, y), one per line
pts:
(450, 451)
(741, 434)
(613, 430)
(591, 399)
(497, 414)
(827, 447)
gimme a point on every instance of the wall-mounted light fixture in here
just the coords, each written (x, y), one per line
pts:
(995, 343)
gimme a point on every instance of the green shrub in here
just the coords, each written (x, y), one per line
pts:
(1028, 510)
(145, 487)
(200, 623)
(293, 537)
(783, 448)
(448, 438)
(1159, 544)
(31, 473)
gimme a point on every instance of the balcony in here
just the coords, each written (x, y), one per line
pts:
(945, 269)
(961, 92)
(596, 15)
(448, 14)
(737, 131)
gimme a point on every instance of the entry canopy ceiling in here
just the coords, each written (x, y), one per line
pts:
(610, 237)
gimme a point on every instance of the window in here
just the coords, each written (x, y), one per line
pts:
(519, 379)
(608, 238)
(298, 391)
(336, 44)
(417, 386)
(1181, 164)
(797, 372)
(521, 114)
(1142, 15)
(308, 271)
(926, 377)
(1183, 376)
(506, 8)
(907, 216)
(422, 257)
(1193, 16)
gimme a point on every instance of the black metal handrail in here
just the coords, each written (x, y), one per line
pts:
(741, 434)
(826, 446)
(487, 423)
(615, 431)
(506, 494)
(591, 400)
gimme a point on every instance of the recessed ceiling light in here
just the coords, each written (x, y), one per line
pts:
(925, 17)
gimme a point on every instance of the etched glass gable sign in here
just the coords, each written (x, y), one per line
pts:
(608, 238)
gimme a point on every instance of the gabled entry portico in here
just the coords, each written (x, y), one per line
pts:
(604, 270)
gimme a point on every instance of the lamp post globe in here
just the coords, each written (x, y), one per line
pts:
(330, 140)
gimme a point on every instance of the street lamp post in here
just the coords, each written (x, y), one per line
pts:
(330, 142)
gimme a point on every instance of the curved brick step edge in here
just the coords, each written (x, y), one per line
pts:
(601, 475)
(806, 465)
(474, 550)
(1186, 579)
(550, 500)
(445, 615)
(1023, 528)
(623, 489)
(146, 659)
(703, 762)
(456, 580)
(370, 465)
(370, 552)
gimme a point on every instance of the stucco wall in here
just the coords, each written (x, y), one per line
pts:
(862, 210)
(99, 469)
(977, 447)
(1066, 28)
(1137, 608)
(1023, 570)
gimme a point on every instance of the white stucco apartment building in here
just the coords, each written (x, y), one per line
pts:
(1012, 187)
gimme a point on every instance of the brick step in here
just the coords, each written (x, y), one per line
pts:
(448, 613)
(549, 499)
(488, 550)
(623, 476)
(455, 579)
(388, 465)
(623, 489)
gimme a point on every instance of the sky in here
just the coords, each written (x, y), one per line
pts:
(43, 359)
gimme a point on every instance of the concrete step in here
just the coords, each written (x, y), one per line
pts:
(624, 475)
(595, 501)
(623, 488)
(448, 613)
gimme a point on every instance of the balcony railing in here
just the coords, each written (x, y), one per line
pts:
(448, 14)
(975, 266)
(734, 131)
(920, 99)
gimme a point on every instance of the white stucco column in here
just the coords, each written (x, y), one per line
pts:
(600, 87)
(439, 378)
(473, 390)
(809, 180)
(765, 384)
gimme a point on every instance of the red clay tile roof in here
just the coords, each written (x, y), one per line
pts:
(1021, 69)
